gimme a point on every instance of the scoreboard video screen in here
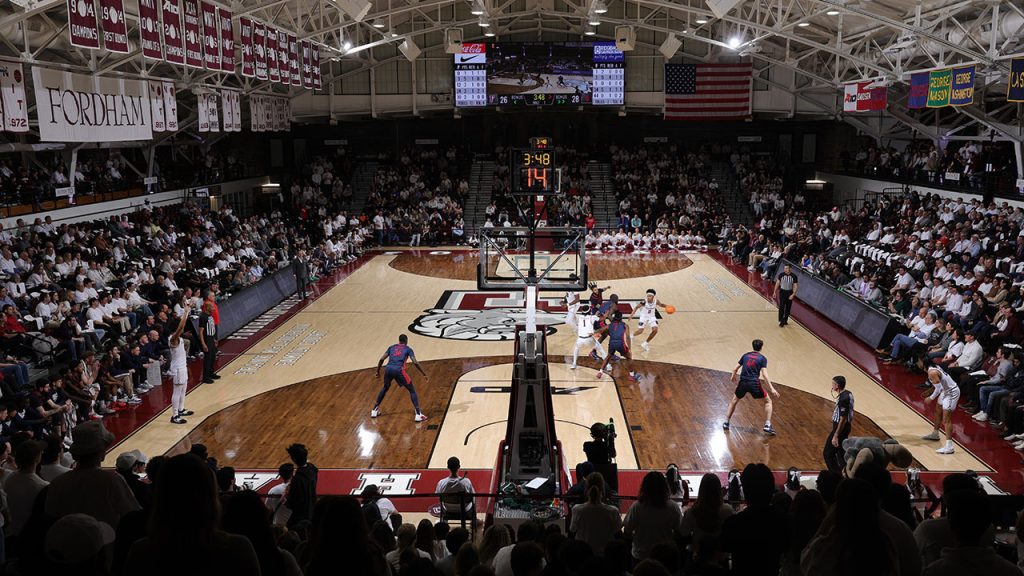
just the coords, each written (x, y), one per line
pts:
(539, 74)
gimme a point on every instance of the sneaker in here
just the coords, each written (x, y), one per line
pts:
(420, 417)
(645, 346)
(933, 436)
(769, 430)
(375, 412)
(636, 378)
(177, 420)
(96, 417)
(725, 425)
(608, 368)
(750, 268)
(593, 355)
(207, 381)
(185, 413)
(215, 376)
(134, 400)
(981, 417)
(947, 449)
(1015, 437)
(1019, 445)
(572, 367)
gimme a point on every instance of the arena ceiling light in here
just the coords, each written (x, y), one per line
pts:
(477, 8)
(484, 22)
(599, 7)
(378, 23)
(833, 12)
(701, 20)
(735, 42)
(594, 21)
(804, 24)
(489, 33)
(356, 9)
(589, 31)
(346, 45)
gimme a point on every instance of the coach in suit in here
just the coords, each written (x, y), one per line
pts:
(300, 267)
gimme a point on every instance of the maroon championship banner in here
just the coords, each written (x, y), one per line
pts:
(284, 67)
(316, 67)
(259, 48)
(115, 30)
(273, 72)
(211, 36)
(227, 41)
(149, 30)
(247, 60)
(174, 44)
(307, 64)
(82, 24)
(193, 34)
(293, 60)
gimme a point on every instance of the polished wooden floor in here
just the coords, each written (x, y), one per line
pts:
(311, 379)
(606, 267)
(673, 414)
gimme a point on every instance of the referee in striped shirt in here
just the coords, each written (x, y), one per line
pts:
(786, 286)
(842, 417)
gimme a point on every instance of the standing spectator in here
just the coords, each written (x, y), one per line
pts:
(854, 543)
(972, 554)
(339, 542)
(703, 521)
(595, 522)
(301, 494)
(757, 536)
(279, 513)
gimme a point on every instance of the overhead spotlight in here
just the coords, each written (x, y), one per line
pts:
(477, 8)
(599, 7)
(589, 31)
(346, 46)
(489, 33)
(394, 34)
(378, 23)
(833, 12)
(594, 21)
(804, 24)
(484, 22)
(356, 9)
(734, 42)
(701, 21)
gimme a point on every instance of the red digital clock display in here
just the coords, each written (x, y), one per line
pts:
(535, 171)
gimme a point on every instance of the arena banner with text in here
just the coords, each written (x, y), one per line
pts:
(227, 41)
(917, 98)
(174, 43)
(13, 105)
(939, 84)
(149, 29)
(78, 108)
(273, 71)
(232, 110)
(316, 67)
(1015, 84)
(962, 91)
(861, 97)
(156, 102)
(294, 63)
(282, 57)
(115, 29)
(193, 34)
(248, 63)
(212, 114)
(82, 24)
(202, 112)
(211, 36)
(171, 106)
(259, 49)
(307, 64)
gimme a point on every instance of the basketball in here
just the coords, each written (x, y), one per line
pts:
(670, 309)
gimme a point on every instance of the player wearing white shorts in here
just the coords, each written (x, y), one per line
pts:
(179, 369)
(948, 394)
(572, 305)
(648, 318)
(585, 328)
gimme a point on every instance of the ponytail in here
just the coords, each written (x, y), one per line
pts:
(595, 488)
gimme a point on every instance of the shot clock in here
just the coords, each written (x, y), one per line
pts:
(533, 171)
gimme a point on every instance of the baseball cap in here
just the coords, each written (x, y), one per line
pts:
(90, 438)
(76, 538)
(127, 460)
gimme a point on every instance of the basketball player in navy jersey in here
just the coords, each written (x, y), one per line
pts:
(396, 356)
(604, 314)
(751, 369)
(619, 341)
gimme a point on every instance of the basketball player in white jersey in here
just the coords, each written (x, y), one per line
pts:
(648, 318)
(948, 394)
(572, 305)
(585, 328)
(179, 369)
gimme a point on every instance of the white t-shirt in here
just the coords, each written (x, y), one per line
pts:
(595, 524)
(651, 526)
(274, 503)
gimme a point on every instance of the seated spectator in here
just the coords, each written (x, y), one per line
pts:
(653, 519)
(972, 553)
(703, 521)
(854, 543)
(455, 506)
(406, 553)
(593, 521)
(756, 550)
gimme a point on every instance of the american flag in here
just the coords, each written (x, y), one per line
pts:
(707, 91)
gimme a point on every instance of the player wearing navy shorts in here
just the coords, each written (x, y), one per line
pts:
(619, 342)
(396, 356)
(604, 314)
(751, 369)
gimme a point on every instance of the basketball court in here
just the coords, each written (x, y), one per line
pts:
(312, 379)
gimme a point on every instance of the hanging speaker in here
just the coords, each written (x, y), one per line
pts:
(625, 38)
(670, 46)
(409, 49)
(453, 40)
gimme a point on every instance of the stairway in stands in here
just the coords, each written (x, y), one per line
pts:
(602, 194)
(735, 204)
(481, 175)
(362, 181)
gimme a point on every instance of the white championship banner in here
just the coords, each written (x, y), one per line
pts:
(77, 108)
(13, 106)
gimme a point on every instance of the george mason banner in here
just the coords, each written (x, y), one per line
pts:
(939, 84)
(78, 108)
(13, 106)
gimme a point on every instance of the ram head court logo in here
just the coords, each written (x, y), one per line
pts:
(487, 316)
